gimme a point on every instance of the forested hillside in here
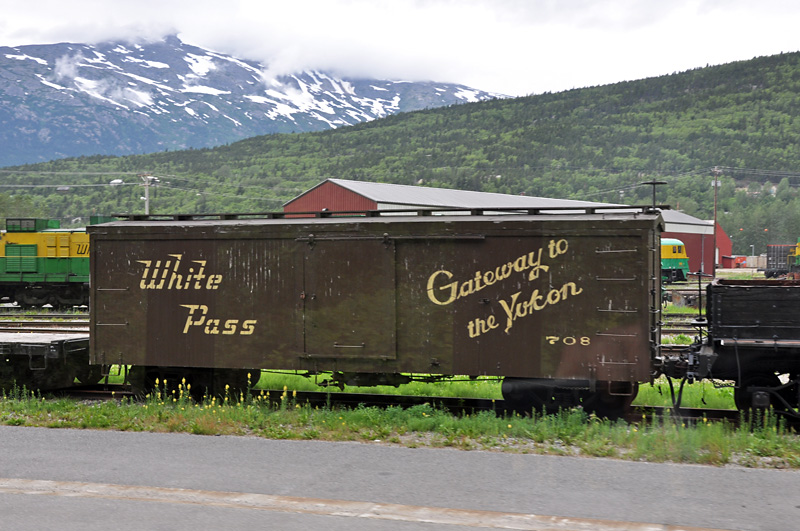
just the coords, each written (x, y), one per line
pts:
(595, 143)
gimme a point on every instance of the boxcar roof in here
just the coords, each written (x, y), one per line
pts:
(379, 217)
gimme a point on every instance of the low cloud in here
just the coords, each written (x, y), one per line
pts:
(66, 67)
(514, 47)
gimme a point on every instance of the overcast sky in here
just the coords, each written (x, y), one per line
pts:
(513, 47)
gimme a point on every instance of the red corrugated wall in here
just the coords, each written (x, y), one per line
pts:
(700, 249)
(331, 196)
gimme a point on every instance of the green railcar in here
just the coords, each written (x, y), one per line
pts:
(674, 261)
(40, 263)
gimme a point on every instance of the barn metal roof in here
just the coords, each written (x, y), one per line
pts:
(388, 195)
(677, 221)
(395, 196)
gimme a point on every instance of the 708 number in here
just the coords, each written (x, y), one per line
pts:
(569, 341)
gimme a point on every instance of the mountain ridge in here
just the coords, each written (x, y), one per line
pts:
(121, 98)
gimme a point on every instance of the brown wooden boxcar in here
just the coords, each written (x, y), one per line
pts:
(567, 296)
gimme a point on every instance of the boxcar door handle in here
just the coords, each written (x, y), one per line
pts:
(337, 345)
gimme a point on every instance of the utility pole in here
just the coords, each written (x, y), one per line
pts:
(716, 172)
(148, 180)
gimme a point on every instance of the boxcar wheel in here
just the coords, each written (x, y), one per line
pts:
(526, 395)
(90, 375)
(743, 398)
(222, 383)
(612, 400)
(234, 382)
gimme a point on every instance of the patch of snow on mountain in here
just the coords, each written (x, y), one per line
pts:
(96, 89)
(86, 85)
(49, 84)
(100, 59)
(378, 109)
(145, 63)
(200, 89)
(237, 62)
(200, 64)
(137, 97)
(349, 88)
(281, 110)
(236, 123)
(258, 99)
(148, 81)
(27, 58)
(467, 95)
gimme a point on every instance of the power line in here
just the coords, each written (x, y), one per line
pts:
(216, 194)
(72, 172)
(64, 185)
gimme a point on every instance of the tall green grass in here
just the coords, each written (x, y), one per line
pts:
(765, 443)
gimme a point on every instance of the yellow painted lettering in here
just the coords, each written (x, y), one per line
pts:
(452, 287)
(557, 248)
(466, 289)
(509, 308)
(145, 273)
(230, 327)
(248, 327)
(536, 264)
(212, 327)
(199, 275)
(200, 318)
(176, 279)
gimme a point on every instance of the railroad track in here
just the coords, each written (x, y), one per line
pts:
(43, 323)
(19, 312)
(78, 326)
(681, 323)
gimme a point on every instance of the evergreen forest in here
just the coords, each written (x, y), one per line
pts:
(736, 124)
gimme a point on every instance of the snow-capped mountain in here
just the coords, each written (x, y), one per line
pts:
(115, 98)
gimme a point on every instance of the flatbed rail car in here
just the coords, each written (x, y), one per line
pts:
(562, 303)
(45, 360)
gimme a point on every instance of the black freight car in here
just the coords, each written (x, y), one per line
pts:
(778, 259)
(564, 304)
(754, 340)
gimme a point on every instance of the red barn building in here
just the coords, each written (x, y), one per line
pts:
(698, 237)
(340, 195)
